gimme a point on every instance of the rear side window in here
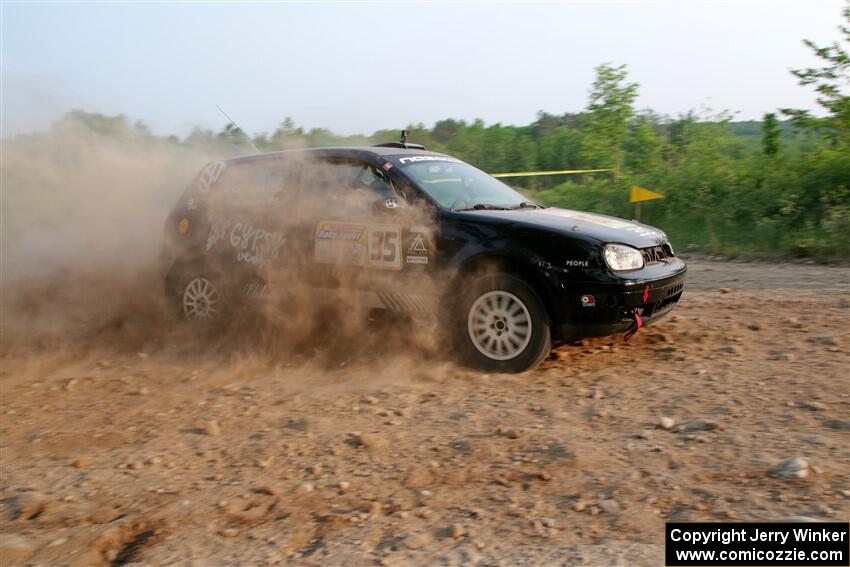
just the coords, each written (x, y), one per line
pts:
(256, 184)
(250, 183)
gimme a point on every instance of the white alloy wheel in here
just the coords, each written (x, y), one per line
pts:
(499, 325)
(201, 300)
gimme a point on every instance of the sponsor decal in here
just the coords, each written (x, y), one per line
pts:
(341, 243)
(211, 173)
(416, 159)
(369, 245)
(256, 289)
(384, 247)
(589, 217)
(255, 245)
(332, 231)
(588, 301)
(422, 305)
(218, 230)
(388, 166)
(646, 232)
(416, 246)
(577, 263)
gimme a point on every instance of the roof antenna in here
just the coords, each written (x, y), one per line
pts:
(232, 121)
(404, 138)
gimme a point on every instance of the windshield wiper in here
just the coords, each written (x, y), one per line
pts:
(483, 206)
(528, 205)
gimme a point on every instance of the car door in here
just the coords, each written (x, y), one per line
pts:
(343, 200)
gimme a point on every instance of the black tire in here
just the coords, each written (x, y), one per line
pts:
(488, 302)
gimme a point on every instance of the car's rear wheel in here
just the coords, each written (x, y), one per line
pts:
(503, 325)
(199, 296)
(201, 300)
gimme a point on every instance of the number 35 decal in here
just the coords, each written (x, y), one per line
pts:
(384, 244)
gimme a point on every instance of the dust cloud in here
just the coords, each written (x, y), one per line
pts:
(82, 224)
(84, 209)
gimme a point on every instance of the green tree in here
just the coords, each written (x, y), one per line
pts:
(523, 154)
(770, 134)
(832, 84)
(643, 148)
(444, 130)
(606, 123)
(200, 137)
(497, 142)
(287, 135)
(117, 127)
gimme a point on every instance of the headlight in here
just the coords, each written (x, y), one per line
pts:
(620, 257)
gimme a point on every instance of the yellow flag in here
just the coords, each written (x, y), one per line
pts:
(638, 194)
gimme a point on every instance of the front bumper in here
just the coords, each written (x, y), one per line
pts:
(616, 302)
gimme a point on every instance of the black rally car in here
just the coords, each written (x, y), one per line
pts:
(422, 233)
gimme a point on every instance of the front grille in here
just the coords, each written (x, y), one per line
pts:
(656, 254)
(667, 302)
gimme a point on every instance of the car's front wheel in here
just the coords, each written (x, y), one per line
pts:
(503, 325)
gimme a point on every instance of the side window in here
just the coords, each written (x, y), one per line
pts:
(343, 187)
(410, 194)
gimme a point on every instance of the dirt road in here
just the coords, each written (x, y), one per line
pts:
(158, 458)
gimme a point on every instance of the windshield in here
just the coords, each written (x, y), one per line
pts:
(459, 186)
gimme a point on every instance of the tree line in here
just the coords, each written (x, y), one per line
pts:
(775, 187)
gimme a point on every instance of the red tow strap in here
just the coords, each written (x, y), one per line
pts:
(638, 325)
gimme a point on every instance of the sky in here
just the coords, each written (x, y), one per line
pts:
(359, 67)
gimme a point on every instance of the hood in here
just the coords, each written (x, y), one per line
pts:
(580, 224)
